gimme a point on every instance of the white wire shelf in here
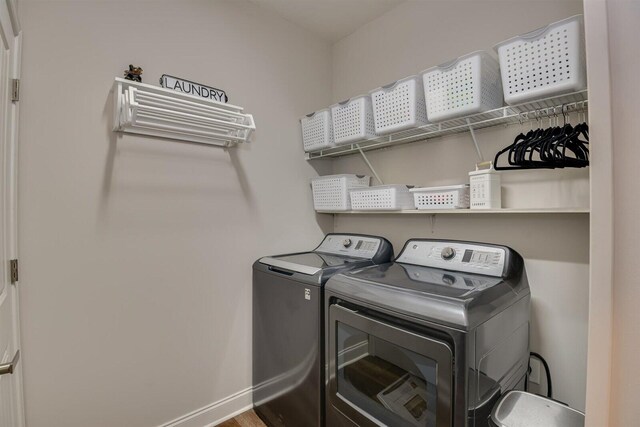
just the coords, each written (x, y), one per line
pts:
(465, 211)
(554, 106)
(150, 110)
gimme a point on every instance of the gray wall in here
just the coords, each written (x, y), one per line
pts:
(136, 252)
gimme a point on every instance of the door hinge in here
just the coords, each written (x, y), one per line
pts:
(13, 267)
(15, 90)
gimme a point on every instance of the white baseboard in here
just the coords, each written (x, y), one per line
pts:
(242, 401)
(216, 412)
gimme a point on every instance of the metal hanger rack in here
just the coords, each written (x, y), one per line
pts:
(513, 114)
(150, 110)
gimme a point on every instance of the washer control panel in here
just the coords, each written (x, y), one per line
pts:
(455, 256)
(348, 245)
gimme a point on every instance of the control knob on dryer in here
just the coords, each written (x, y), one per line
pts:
(346, 243)
(448, 253)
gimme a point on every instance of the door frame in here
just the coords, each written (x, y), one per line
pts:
(600, 332)
(11, 38)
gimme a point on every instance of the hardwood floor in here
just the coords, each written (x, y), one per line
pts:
(246, 419)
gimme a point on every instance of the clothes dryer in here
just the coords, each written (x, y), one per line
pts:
(433, 339)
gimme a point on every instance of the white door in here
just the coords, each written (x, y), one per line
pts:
(11, 398)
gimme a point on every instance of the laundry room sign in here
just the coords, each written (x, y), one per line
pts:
(192, 88)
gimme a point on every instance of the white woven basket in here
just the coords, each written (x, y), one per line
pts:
(546, 62)
(383, 197)
(467, 85)
(331, 192)
(448, 197)
(317, 130)
(399, 106)
(353, 120)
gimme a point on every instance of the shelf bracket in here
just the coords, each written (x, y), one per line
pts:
(475, 141)
(366, 160)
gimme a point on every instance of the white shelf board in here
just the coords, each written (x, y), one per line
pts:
(466, 211)
(512, 114)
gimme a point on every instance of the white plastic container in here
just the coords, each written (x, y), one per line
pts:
(448, 197)
(317, 131)
(382, 197)
(399, 106)
(546, 62)
(467, 85)
(331, 192)
(485, 187)
(353, 120)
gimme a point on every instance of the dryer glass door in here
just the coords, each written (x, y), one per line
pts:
(384, 375)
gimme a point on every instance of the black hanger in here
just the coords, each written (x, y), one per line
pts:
(550, 148)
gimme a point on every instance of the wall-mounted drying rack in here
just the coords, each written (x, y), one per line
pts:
(513, 114)
(150, 110)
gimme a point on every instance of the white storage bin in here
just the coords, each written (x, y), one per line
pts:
(485, 187)
(383, 197)
(331, 192)
(546, 62)
(399, 106)
(353, 120)
(449, 197)
(467, 85)
(317, 130)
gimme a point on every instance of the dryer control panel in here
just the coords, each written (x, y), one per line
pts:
(350, 245)
(456, 256)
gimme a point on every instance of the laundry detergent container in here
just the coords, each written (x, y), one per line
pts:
(546, 62)
(317, 131)
(353, 120)
(467, 85)
(399, 106)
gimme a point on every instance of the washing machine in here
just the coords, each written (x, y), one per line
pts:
(288, 325)
(432, 339)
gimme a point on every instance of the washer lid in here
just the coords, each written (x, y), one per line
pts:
(309, 263)
(518, 409)
(336, 252)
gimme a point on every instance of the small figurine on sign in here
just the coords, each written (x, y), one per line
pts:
(133, 73)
